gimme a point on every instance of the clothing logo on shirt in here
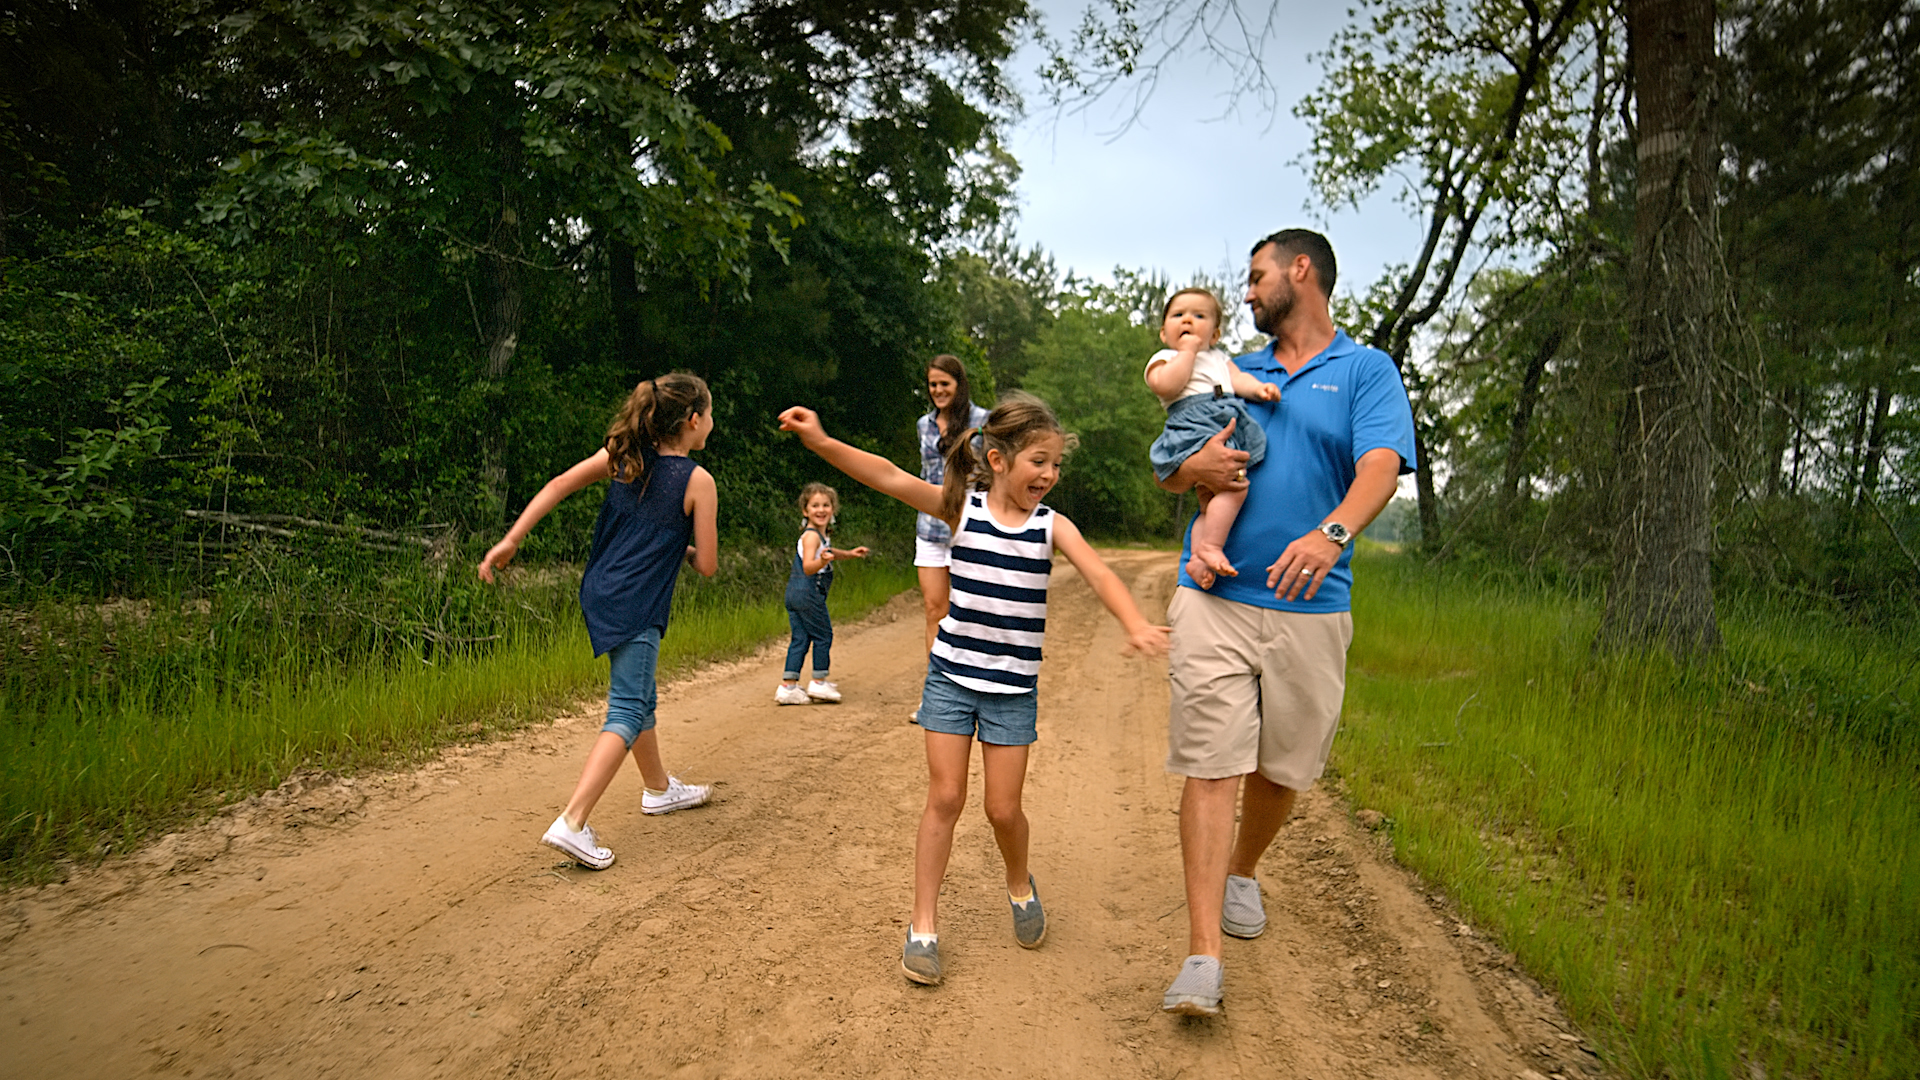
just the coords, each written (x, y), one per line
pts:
(1330, 388)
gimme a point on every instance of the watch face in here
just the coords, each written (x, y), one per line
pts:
(1336, 532)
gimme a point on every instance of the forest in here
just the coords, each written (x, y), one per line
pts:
(387, 266)
(301, 301)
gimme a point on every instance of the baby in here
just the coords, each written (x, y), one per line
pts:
(1201, 389)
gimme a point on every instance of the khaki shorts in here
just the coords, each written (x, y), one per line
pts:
(1254, 689)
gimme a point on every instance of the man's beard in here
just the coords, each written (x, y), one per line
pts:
(1267, 320)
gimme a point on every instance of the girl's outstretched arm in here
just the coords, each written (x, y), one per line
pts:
(813, 558)
(703, 504)
(1142, 636)
(588, 472)
(872, 470)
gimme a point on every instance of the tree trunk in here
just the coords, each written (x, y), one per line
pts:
(1513, 481)
(1660, 592)
(1876, 444)
(502, 340)
(623, 295)
(1428, 499)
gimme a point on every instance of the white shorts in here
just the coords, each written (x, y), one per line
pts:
(932, 553)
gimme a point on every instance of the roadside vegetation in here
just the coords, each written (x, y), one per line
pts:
(1712, 864)
(127, 717)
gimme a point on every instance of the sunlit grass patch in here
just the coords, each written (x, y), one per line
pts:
(119, 719)
(1711, 864)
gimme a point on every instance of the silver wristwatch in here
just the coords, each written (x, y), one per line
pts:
(1336, 532)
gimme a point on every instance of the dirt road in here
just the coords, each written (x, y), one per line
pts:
(409, 925)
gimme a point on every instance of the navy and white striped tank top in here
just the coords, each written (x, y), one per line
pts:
(990, 639)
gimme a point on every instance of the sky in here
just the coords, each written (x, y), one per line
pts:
(1183, 188)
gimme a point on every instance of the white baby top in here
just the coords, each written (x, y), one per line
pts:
(1209, 370)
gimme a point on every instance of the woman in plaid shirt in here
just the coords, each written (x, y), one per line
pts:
(953, 414)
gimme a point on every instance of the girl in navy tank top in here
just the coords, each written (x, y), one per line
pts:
(983, 675)
(659, 512)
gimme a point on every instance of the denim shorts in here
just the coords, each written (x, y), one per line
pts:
(997, 719)
(631, 696)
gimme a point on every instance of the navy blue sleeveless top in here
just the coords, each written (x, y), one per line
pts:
(639, 543)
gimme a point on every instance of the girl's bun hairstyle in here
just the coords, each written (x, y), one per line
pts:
(817, 488)
(1219, 312)
(959, 411)
(651, 415)
(1019, 420)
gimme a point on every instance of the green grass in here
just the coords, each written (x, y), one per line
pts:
(1712, 865)
(123, 719)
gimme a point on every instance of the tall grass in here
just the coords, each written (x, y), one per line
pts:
(121, 718)
(1713, 864)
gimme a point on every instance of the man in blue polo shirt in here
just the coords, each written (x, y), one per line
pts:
(1259, 666)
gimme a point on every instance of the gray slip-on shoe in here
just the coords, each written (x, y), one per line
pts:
(1196, 990)
(1029, 919)
(1242, 914)
(920, 960)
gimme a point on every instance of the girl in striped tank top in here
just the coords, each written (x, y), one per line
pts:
(985, 665)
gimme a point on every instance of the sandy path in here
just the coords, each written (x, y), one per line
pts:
(409, 926)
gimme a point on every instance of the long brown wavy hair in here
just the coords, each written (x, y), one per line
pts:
(959, 411)
(651, 415)
(1017, 422)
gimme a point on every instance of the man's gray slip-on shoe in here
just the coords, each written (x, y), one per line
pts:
(1196, 990)
(1242, 914)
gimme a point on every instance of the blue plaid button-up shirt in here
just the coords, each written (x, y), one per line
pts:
(933, 469)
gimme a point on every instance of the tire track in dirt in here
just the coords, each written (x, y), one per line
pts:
(408, 925)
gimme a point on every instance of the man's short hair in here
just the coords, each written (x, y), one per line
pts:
(1295, 242)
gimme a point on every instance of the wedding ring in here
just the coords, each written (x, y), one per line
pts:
(1241, 475)
(1307, 570)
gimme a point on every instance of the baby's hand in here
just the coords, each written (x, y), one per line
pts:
(856, 553)
(1268, 392)
(1148, 641)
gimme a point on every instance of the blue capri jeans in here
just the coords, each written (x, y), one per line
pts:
(632, 695)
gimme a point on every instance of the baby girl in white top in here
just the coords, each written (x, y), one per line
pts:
(1201, 390)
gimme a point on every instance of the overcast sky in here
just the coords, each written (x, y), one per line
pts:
(1182, 189)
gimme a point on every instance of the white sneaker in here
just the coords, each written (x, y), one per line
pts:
(678, 796)
(582, 847)
(791, 695)
(823, 691)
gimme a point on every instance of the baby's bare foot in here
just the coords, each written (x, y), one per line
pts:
(1200, 572)
(1215, 560)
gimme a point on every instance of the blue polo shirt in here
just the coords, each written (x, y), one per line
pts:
(1342, 403)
